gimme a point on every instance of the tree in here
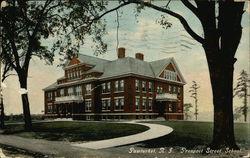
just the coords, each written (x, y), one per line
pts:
(26, 23)
(186, 111)
(193, 90)
(237, 113)
(220, 40)
(241, 90)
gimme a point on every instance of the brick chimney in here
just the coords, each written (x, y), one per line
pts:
(121, 52)
(139, 56)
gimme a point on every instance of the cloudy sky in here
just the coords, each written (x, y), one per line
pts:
(142, 34)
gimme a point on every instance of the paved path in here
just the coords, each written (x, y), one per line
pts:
(155, 131)
(87, 150)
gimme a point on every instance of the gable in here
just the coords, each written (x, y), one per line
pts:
(171, 66)
(74, 61)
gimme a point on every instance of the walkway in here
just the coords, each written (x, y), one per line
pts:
(155, 131)
(67, 149)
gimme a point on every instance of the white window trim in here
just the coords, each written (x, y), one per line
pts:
(144, 87)
(144, 98)
(118, 84)
(49, 104)
(137, 97)
(151, 104)
(121, 97)
(137, 90)
(109, 104)
(118, 97)
(87, 100)
(86, 89)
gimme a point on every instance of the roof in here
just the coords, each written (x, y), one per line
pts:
(158, 65)
(88, 60)
(52, 86)
(125, 66)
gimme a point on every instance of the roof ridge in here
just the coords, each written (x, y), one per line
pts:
(162, 59)
(92, 56)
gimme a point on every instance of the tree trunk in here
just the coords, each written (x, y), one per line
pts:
(2, 114)
(245, 103)
(25, 101)
(221, 75)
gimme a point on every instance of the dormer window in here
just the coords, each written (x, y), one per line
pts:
(170, 75)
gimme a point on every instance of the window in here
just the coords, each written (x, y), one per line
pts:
(70, 91)
(150, 104)
(61, 92)
(49, 95)
(170, 75)
(179, 90)
(119, 85)
(79, 75)
(137, 103)
(174, 89)
(150, 86)
(159, 90)
(143, 85)
(106, 104)
(171, 107)
(79, 90)
(106, 87)
(88, 105)
(137, 85)
(50, 108)
(88, 89)
(88, 117)
(170, 89)
(119, 103)
(144, 104)
(69, 75)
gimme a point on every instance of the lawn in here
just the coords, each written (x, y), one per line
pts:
(192, 134)
(75, 131)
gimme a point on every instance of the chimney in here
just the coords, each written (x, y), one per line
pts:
(139, 56)
(121, 52)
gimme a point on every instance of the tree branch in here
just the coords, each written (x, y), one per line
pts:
(111, 10)
(32, 37)
(191, 7)
(176, 15)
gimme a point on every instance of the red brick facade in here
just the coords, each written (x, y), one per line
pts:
(81, 94)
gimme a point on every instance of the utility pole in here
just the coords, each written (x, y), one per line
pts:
(193, 90)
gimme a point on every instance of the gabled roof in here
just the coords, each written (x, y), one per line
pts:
(50, 87)
(90, 60)
(126, 66)
(159, 65)
(123, 66)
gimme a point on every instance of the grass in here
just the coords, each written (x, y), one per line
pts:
(75, 131)
(192, 134)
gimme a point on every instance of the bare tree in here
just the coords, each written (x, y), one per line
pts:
(186, 111)
(194, 93)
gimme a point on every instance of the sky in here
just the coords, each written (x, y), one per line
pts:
(141, 34)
